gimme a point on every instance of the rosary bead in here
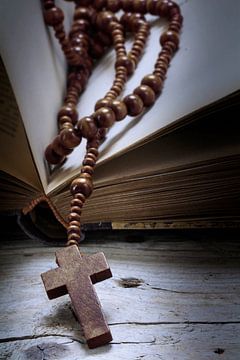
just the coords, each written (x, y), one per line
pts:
(135, 21)
(124, 20)
(76, 202)
(73, 93)
(127, 5)
(73, 216)
(64, 120)
(168, 8)
(93, 151)
(112, 94)
(152, 6)
(103, 38)
(58, 148)
(87, 169)
(113, 5)
(178, 18)
(76, 209)
(134, 104)
(104, 18)
(159, 73)
(48, 4)
(82, 185)
(153, 81)
(82, 52)
(164, 57)
(75, 223)
(121, 73)
(118, 33)
(53, 16)
(162, 68)
(82, 35)
(73, 229)
(71, 100)
(91, 155)
(52, 157)
(77, 87)
(82, 13)
(96, 50)
(75, 59)
(69, 111)
(119, 109)
(174, 26)
(73, 239)
(134, 58)
(86, 175)
(169, 36)
(87, 64)
(104, 117)
(94, 143)
(99, 4)
(168, 48)
(160, 64)
(89, 161)
(87, 127)
(69, 138)
(140, 6)
(102, 103)
(80, 197)
(127, 63)
(116, 89)
(78, 26)
(146, 94)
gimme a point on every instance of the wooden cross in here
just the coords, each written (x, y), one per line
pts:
(75, 276)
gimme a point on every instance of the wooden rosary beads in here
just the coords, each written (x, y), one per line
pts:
(95, 27)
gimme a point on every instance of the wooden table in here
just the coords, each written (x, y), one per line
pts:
(173, 296)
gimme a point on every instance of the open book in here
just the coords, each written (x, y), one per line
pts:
(177, 165)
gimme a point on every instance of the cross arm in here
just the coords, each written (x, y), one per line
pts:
(98, 267)
(54, 282)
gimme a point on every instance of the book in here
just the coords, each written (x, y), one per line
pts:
(175, 166)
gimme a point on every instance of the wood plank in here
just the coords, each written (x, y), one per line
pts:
(135, 342)
(170, 297)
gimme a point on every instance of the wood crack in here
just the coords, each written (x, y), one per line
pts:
(33, 337)
(133, 342)
(175, 291)
(177, 323)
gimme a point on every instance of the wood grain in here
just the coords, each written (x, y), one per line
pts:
(171, 297)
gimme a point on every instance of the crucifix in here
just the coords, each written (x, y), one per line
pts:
(76, 275)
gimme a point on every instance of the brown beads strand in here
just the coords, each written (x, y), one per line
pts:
(95, 28)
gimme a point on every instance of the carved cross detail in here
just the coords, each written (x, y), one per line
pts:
(76, 275)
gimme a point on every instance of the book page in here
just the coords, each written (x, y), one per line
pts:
(37, 73)
(205, 69)
(15, 158)
(205, 140)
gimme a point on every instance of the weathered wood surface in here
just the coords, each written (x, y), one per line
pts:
(172, 297)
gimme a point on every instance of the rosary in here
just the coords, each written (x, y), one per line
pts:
(95, 28)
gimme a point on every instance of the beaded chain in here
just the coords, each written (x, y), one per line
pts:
(94, 29)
